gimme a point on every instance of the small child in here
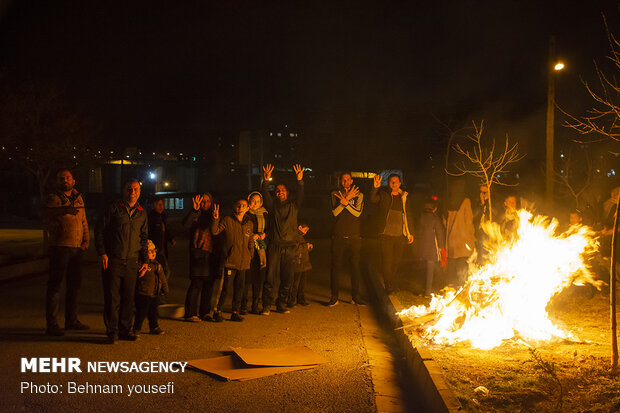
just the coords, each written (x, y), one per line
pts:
(238, 248)
(302, 266)
(150, 285)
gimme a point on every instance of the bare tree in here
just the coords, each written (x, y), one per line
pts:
(602, 122)
(487, 163)
(41, 132)
(575, 177)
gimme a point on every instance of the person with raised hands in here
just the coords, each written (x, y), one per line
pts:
(395, 225)
(283, 235)
(237, 250)
(347, 204)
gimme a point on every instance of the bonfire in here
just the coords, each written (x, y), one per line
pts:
(506, 298)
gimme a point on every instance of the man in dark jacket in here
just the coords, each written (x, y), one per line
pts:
(283, 238)
(121, 239)
(347, 205)
(395, 225)
(65, 220)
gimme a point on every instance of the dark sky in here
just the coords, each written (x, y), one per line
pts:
(368, 73)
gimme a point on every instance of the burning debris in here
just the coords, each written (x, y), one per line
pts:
(506, 298)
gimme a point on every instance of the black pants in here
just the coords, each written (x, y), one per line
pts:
(281, 263)
(392, 251)
(119, 290)
(254, 277)
(146, 306)
(238, 280)
(200, 290)
(65, 262)
(343, 248)
(296, 293)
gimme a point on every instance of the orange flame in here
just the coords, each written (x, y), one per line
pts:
(507, 297)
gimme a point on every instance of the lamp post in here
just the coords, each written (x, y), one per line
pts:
(552, 68)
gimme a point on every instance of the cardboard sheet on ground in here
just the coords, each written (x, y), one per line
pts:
(285, 356)
(233, 368)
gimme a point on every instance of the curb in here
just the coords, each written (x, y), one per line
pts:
(437, 395)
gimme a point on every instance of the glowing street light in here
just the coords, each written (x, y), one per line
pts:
(152, 176)
(558, 66)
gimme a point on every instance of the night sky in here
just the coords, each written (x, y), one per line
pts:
(169, 74)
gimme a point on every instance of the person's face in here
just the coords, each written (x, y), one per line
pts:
(394, 183)
(304, 229)
(281, 193)
(484, 194)
(575, 219)
(241, 207)
(131, 192)
(65, 181)
(346, 181)
(255, 202)
(206, 203)
(152, 254)
(158, 206)
(511, 203)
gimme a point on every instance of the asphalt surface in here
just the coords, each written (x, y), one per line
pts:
(344, 384)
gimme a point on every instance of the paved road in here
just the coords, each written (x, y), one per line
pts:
(345, 384)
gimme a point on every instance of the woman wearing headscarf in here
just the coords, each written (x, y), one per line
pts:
(258, 266)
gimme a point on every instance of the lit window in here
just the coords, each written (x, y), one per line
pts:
(279, 134)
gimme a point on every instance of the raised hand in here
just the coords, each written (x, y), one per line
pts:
(410, 239)
(216, 211)
(267, 171)
(377, 181)
(353, 192)
(197, 200)
(343, 199)
(299, 171)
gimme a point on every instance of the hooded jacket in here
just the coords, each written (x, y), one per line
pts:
(384, 199)
(238, 245)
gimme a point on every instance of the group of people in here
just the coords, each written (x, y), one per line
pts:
(260, 245)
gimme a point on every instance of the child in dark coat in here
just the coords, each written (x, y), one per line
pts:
(302, 266)
(150, 285)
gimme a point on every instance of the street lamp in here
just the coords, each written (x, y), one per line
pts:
(553, 67)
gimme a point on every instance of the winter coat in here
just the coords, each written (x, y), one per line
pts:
(65, 219)
(460, 240)
(153, 282)
(238, 244)
(431, 236)
(283, 222)
(384, 199)
(120, 235)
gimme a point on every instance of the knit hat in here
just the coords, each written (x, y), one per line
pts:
(150, 245)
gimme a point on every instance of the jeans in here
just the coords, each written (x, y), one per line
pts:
(238, 277)
(392, 250)
(296, 293)
(341, 247)
(200, 290)
(119, 289)
(146, 306)
(281, 264)
(65, 262)
(254, 277)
